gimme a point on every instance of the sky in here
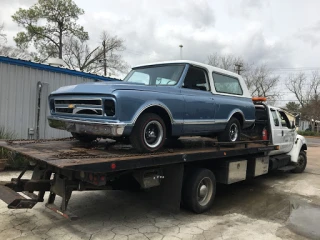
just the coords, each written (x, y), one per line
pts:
(284, 35)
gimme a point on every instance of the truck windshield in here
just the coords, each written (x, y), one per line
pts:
(156, 75)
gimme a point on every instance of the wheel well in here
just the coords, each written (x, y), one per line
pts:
(163, 114)
(239, 116)
(304, 147)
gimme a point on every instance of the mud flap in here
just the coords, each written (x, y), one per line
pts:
(167, 196)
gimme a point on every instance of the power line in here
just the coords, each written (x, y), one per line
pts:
(294, 68)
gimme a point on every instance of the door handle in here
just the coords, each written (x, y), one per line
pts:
(282, 133)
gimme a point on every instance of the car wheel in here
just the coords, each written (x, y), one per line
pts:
(84, 138)
(302, 163)
(199, 190)
(149, 133)
(232, 131)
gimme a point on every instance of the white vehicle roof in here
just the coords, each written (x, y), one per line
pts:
(209, 67)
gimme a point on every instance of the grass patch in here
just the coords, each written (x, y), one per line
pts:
(15, 161)
(5, 134)
(309, 133)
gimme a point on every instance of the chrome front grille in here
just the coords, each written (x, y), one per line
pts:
(81, 106)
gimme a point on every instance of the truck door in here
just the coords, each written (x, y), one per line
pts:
(199, 109)
(276, 131)
(287, 132)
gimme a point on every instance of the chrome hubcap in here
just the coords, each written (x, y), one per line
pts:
(205, 190)
(233, 132)
(153, 134)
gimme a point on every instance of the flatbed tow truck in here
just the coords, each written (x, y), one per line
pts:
(185, 171)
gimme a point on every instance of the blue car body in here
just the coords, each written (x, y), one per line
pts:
(84, 108)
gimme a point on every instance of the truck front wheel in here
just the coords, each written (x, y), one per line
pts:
(149, 133)
(199, 190)
(302, 162)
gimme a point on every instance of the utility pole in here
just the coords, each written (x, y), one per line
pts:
(181, 46)
(104, 58)
(238, 67)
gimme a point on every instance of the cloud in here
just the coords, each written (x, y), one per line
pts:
(153, 30)
(257, 48)
(247, 8)
(253, 3)
(197, 13)
(310, 35)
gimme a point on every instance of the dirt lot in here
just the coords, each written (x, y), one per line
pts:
(257, 209)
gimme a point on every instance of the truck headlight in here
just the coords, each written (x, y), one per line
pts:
(109, 107)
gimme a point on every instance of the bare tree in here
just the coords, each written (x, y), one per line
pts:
(15, 53)
(307, 92)
(260, 80)
(303, 88)
(3, 36)
(226, 62)
(79, 55)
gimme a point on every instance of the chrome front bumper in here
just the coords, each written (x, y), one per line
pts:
(87, 127)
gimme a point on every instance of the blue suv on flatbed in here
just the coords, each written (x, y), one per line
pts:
(156, 102)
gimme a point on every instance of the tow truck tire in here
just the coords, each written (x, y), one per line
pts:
(149, 133)
(302, 162)
(199, 190)
(84, 138)
(232, 131)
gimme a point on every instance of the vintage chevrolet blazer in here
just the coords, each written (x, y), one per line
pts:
(156, 102)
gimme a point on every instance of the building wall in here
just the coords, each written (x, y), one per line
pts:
(18, 97)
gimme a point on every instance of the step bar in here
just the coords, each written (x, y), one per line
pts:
(16, 200)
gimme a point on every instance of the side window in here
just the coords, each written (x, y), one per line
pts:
(226, 84)
(197, 79)
(275, 117)
(284, 120)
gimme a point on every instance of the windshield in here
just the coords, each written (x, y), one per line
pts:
(156, 75)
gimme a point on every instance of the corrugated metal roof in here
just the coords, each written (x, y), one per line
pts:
(46, 67)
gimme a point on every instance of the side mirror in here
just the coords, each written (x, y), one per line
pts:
(292, 125)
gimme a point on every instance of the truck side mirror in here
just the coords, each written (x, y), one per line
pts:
(292, 125)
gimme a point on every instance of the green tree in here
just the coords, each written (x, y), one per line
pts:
(293, 107)
(47, 24)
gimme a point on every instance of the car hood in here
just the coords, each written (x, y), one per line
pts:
(108, 87)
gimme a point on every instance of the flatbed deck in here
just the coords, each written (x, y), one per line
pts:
(107, 156)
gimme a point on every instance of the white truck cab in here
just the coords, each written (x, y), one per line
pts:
(281, 132)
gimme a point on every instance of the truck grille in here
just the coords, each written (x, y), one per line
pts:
(85, 106)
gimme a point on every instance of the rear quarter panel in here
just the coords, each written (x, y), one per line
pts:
(228, 105)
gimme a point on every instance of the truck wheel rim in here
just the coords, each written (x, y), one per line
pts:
(233, 133)
(153, 134)
(204, 191)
